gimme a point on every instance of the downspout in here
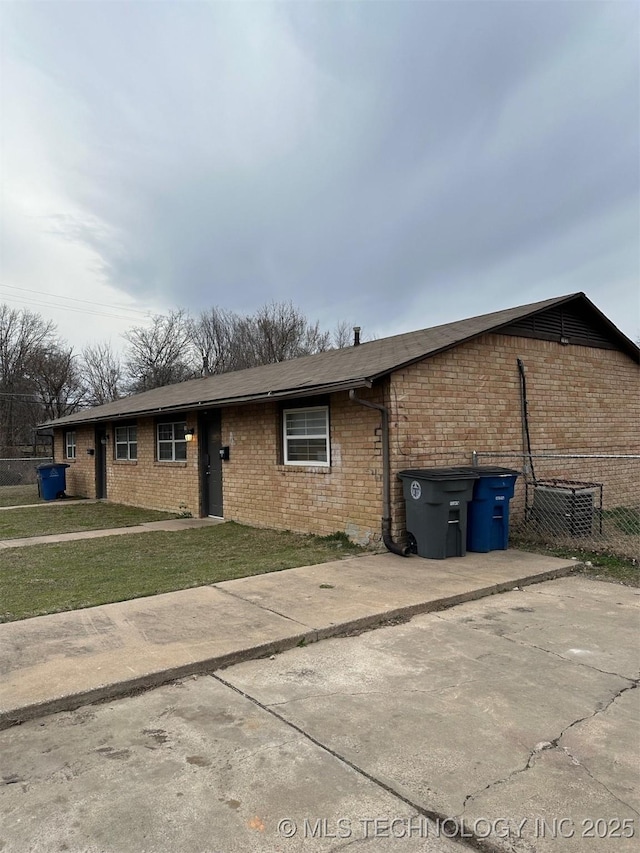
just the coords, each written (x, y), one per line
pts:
(524, 402)
(386, 480)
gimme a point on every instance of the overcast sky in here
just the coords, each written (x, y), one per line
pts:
(396, 165)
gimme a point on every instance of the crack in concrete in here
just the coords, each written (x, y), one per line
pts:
(555, 744)
(579, 763)
(462, 837)
(524, 643)
(267, 748)
(361, 841)
(262, 607)
(529, 645)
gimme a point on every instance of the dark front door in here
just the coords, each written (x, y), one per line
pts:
(211, 464)
(101, 462)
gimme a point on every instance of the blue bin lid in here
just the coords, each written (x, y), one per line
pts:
(495, 471)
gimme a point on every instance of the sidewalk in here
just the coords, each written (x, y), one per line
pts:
(145, 527)
(65, 660)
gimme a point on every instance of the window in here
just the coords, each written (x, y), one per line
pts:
(172, 446)
(126, 442)
(306, 436)
(70, 444)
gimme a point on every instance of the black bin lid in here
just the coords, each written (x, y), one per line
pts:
(45, 466)
(453, 473)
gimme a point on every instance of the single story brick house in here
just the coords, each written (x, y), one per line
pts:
(315, 444)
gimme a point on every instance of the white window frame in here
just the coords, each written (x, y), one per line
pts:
(70, 444)
(325, 435)
(127, 442)
(173, 441)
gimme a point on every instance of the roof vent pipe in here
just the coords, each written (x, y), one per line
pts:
(356, 336)
(389, 544)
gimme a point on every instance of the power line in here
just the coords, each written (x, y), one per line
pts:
(74, 299)
(33, 397)
(25, 301)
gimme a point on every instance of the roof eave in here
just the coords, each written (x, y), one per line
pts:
(202, 405)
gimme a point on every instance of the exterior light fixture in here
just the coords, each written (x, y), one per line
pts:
(189, 434)
(564, 341)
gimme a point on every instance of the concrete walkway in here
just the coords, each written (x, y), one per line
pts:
(69, 502)
(146, 527)
(65, 660)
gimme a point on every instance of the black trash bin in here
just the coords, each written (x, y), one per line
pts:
(488, 512)
(52, 480)
(436, 505)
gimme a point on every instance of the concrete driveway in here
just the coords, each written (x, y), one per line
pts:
(511, 722)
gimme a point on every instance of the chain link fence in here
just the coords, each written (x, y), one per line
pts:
(577, 500)
(19, 479)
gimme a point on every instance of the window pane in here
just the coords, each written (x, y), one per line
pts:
(121, 434)
(133, 433)
(165, 432)
(121, 451)
(164, 450)
(133, 450)
(316, 422)
(295, 423)
(71, 445)
(307, 450)
(179, 429)
(181, 450)
(306, 423)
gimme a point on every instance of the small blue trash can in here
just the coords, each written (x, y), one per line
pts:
(52, 480)
(488, 511)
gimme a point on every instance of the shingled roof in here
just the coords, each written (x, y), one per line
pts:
(326, 372)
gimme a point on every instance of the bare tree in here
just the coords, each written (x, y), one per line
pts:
(278, 331)
(160, 354)
(102, 374)
(214, 339)
(176, 347)
(343, 335)
(55, 376)
(281, 332)
(22, 334)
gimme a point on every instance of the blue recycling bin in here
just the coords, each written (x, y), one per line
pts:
(488, 511)
(52, 480)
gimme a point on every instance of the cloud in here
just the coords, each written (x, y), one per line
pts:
(381, 163)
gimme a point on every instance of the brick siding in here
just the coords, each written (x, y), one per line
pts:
(344, 497)
(170, 486)
(580, 399)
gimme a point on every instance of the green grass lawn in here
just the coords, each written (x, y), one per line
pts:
(43, 579)
(606, 567)
(19, 495)
(40, 521)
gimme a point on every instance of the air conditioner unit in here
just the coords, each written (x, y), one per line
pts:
(564, 509)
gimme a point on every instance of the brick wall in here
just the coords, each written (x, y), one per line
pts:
(171, 486)
(344, 497)
(581, 400)
(81, 473)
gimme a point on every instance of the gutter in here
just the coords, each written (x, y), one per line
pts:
(390, 545)
(200, 405)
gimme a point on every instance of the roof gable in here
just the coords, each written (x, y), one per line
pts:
(573, 323)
